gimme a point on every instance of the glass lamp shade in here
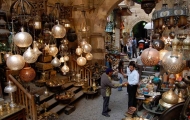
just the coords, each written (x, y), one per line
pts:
(27, 74)
(58, 31)
(83, 42)
(150, 57)
(10, 88)
(30, 56)
(63, 47)
(66, 58)
(53, 50)
(65, 41)
(37, 22)
(162, 53)
(35, 49)
(87, 48)
(173, 62)
(56, 62)
(6, 55)
(79, 50)
(65, 68)
(89, 56)
(62, 59)
(22, 39)
(158, 44)
(15, 62)
(81, 61)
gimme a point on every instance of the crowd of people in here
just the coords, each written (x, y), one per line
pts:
(130, 48)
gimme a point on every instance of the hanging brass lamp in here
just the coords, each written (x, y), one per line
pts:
(148, 5)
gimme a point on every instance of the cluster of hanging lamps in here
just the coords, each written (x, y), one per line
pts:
(84, 47)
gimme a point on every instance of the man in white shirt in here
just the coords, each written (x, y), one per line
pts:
(133, 80)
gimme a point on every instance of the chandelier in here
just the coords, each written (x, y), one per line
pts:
(171, 17)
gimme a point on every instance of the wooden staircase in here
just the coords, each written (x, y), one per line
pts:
(28, 99)
(56, 106)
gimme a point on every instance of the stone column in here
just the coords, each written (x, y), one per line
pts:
(98, 51)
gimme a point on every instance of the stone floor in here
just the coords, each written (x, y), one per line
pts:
(91, 109)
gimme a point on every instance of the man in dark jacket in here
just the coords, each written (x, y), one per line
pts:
(106, 85)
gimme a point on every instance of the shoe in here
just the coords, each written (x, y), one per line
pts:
(106, 115)
(108, 110)
(120, 90)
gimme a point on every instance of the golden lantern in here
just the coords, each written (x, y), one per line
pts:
(65, 68)
(53, 50)
(150, 57)
(89, 56)
(22, 39)
(56, 62)
(172, 62)
(83, 42)
(87, 48)
(65, 41)
(81, 61)
(169, 99)
(62, 59)
(79, 50)
(162, 53)
(35, 49)
(6, 55)
(37, 22)
(158, 44)
(30, 56)
(15, 62)
(58, 31)
(66, 58)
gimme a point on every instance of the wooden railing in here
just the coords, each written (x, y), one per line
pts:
(23, 97)
(86, 74)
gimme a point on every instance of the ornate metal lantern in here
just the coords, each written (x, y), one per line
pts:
(150, 57)
(172, 62)
(148, 5)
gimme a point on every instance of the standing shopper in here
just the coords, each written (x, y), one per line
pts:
(106, 85)
(121, 74)
(133, 80)
(134, 48)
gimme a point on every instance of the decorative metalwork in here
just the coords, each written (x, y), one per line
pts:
(148, 5)
(21, 7)
(65, 11)
(170, 17)
(40, 7)
(172, 62)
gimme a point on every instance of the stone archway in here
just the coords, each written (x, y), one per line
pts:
(137, 20)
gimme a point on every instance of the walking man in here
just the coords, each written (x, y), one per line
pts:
(134, 47)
